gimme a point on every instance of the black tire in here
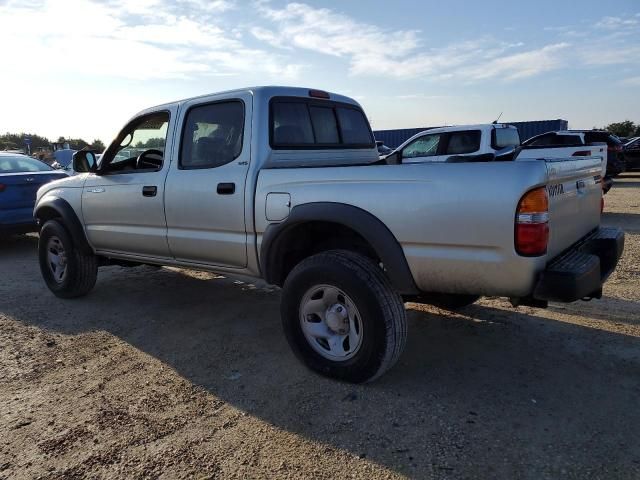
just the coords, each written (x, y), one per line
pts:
(81, 268)
(383, 316)
(449, 301)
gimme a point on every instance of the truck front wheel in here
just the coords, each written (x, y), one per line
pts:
(67, 271)
(342, 317)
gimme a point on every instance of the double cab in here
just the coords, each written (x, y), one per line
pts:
(285, 184)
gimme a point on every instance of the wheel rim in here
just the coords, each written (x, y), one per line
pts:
(331, 322)
(56, 259)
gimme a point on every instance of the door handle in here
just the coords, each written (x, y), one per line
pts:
(149, 191)
(226, 188)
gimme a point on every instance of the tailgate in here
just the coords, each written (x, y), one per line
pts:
(575, 195)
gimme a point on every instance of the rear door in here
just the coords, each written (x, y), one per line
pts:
(205, 190)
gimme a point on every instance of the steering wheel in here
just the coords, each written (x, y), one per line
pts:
(142, 162)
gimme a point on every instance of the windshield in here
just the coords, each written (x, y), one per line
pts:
(22, 164)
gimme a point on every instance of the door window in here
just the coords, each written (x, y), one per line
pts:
(463, 142)
(425, 146)
(146, 138)
(212, 135)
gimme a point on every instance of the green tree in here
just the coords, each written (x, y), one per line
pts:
(97, 145)
(623, 129)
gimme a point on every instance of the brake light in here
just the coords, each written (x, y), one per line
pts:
(319, 94)
(614, 148)
(532, 223)
(2, 187)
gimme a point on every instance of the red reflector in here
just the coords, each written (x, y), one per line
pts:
(532, 238)
(601, 204)
(582, 153)
(2, 187)
(319, 94)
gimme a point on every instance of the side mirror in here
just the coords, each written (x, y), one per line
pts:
(394, 158)
(84, 161)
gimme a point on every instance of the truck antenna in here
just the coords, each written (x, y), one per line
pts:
(496, 120)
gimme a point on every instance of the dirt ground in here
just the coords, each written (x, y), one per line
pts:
(169, 373)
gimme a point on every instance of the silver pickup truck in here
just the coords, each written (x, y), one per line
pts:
(285, 184)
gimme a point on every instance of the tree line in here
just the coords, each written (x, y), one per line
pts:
(624, 129)
(16, 141)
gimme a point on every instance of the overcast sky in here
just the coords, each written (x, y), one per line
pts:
(81, 68)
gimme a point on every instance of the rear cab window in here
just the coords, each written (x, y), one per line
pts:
(301, 123)
(504, 137)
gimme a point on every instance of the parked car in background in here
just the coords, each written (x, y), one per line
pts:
(631, 152)
(442, 143)
(615, 156)
(383, 150)
(20, 178)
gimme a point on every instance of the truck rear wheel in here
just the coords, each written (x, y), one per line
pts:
(67, 271)
(342, 317)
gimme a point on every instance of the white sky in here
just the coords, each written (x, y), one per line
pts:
(81, 68)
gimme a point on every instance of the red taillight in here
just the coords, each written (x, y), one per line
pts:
(319, 94)
(602, 204)
(532, 223)
(614, 148)
(2, 187)
(532, 239)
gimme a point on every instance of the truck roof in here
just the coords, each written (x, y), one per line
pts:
(266, 91)
(478, 126)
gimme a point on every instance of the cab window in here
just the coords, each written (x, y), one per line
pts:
(140, 147)
(463, 142)
(212, 135)
(425, 146)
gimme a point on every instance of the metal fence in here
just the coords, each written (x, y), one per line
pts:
(393, 138)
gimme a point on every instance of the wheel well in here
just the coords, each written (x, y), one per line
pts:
(47, 213)
(308, 238)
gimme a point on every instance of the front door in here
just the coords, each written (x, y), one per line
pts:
(123, 205)
(205, 191)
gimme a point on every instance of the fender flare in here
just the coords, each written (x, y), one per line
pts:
(369, 227)
(61, 208)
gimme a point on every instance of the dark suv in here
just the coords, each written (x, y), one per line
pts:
(565, 138)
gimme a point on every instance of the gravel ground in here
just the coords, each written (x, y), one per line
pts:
(170, 373)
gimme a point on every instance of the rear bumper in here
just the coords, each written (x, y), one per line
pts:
(580, 272)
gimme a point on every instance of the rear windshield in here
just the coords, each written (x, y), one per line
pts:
(505, 137)
(316, 124)
(22, 164)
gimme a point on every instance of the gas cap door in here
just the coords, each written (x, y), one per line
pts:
(278, 206)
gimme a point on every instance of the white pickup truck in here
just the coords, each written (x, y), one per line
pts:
(487, 142)
(286, 184)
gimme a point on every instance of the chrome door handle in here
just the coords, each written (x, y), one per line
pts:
(95, 190)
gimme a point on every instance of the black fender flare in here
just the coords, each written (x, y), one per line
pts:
(53, 207)
(369, 227)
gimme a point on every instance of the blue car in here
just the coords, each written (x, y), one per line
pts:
(20, 178)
